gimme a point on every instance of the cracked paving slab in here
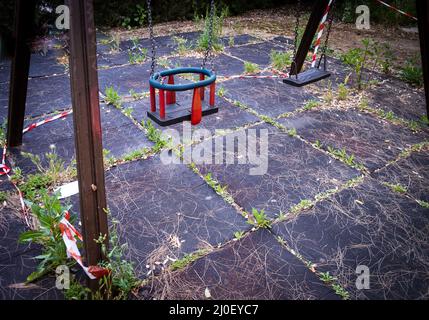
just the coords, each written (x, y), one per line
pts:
(372, 141)
(295, 171)
(120, 136)
(411, 172)
(167, 211)
(371, 226)
(255, 267)
(270, 97)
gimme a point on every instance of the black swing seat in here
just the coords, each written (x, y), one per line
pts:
(308, 76)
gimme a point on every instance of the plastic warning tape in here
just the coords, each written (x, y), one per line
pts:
(320, 33)
(397, 10)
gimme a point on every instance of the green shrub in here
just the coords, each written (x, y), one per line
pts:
(412, 72)
(48, 234)
(280, 60)
(218, 19)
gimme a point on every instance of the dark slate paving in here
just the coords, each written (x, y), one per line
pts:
(223, 65)
(396, 96)
(256, 267)
(238, 40)
(46, 65)
(270, 97)
(40, 65)
(126, 78)
(288, 42)
(372, 141)
(368, 225)
(228, 116)
(17, 262)
(411, 173)
(167, 211)
(112, 60)
(5, 71)
(295, 171)
(120, 136)
(45, 95)
(258, 53)
(165, 45)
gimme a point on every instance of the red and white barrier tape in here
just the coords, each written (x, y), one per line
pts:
(276, 74)
(38, 124)
(70, 236)
(68, 231)
(319, 35)
(397, 10)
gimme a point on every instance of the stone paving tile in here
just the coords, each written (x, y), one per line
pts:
(45, 95)
(165, 45)
(411, 172)
(269, 97)
(396, 96)
(258, 53)
(228, 116)
(5, 71)
(372, 141)
(120, 136)
(238, 40)
(167, 210)
(126, 78)
(294, 171)
(284, 41)
(39, 65)
(370, 226)
(223, 65)
(17, 262)
(255, 267)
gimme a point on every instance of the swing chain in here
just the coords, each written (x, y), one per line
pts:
(207, 54)
(152, 38)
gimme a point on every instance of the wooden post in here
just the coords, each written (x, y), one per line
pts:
(87, 125)
(423, 16)
(310, 31)
(24, 19)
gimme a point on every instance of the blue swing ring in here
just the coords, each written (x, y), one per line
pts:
(155, 79)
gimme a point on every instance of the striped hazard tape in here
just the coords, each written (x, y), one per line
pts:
(320, 33)
(397, 10)
(69, 233)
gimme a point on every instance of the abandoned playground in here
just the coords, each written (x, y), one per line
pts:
(278, 154)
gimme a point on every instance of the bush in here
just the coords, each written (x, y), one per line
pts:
(412, 72)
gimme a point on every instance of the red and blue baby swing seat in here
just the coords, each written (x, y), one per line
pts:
(170, 111)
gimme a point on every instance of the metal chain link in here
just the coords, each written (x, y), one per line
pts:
(210, 41)
(152, 38)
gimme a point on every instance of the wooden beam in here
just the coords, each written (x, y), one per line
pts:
(24, 19)
(423, 16)
(310, 31)
(88, 134)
